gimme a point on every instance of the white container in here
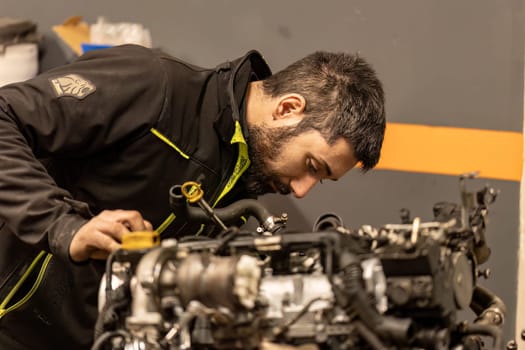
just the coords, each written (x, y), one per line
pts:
(18, 62)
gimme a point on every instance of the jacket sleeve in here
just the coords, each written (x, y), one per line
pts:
(104, 99)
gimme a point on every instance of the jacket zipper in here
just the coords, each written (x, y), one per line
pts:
(5, 310)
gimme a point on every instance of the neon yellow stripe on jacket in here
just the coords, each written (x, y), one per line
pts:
(243, 161)
(171, 144)
(4, 309)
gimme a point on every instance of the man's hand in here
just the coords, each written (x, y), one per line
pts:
(103, 233)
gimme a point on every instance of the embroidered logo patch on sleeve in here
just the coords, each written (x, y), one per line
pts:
(72, 85)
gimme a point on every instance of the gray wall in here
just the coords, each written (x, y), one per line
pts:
(450, 63)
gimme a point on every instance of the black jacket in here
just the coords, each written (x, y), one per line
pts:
(113, 130)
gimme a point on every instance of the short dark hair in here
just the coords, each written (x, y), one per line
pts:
(344, 98)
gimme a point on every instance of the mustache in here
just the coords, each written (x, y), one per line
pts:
(282, 188)
(258, 184)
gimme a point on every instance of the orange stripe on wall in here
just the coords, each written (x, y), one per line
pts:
(452, 151)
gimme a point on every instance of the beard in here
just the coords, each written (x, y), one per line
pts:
(262, 147)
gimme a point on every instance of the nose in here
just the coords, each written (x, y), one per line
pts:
(301, 186)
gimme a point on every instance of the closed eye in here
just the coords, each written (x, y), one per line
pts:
(313, 169)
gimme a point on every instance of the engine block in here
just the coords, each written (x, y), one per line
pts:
(399, 286)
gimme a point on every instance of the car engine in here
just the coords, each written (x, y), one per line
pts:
(399, 286)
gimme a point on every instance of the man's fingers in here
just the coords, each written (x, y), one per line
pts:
(148, 225)
(90, 242)
(103, 233)
(131, 218)
(111, 228)
(103, 246)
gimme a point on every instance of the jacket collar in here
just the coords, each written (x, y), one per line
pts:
(250, 67)
(243, 70)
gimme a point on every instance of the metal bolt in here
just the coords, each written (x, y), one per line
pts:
(483, 273)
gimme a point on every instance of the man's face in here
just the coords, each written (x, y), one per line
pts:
(282, 163)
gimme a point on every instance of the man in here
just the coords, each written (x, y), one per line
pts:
(89, 151)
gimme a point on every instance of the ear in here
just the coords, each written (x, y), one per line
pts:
(289, 108)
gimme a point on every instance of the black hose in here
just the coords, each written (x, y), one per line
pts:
(105, 337)
(231, 213)
(226, 237)
(369, 336)
(327, 222)
(399, 329)
(109, 313)
(490, 310)
(115, 299)
(102, 315)
(243, 207)
(484, 301)
(485, 329)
